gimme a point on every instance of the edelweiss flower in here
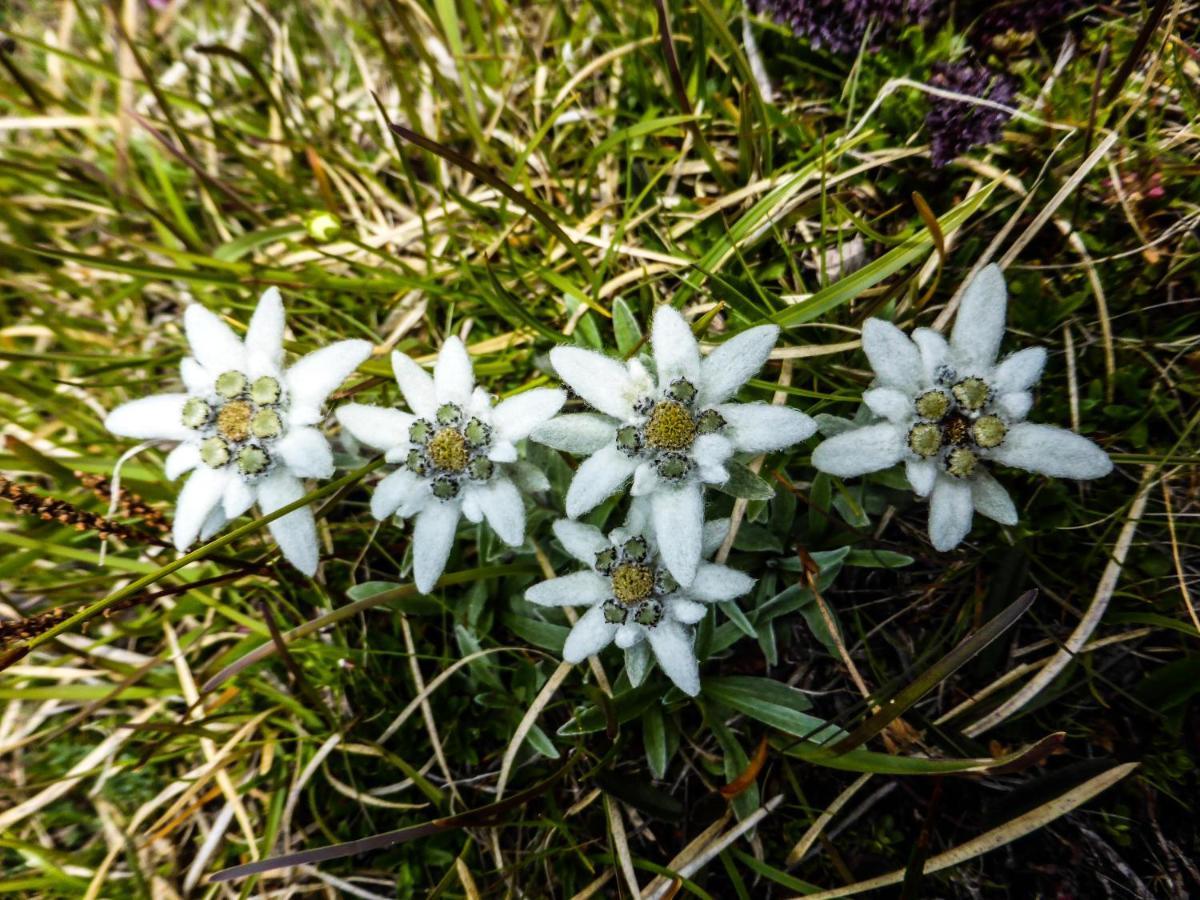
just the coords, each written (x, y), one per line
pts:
(950, 407)
(673, 433)
(635, 600)
(244, 425)
(453, 448)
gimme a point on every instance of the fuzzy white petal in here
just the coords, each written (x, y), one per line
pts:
(433, 536)
(471, 509)
(576, 433)
(415, 384)
(155, 418)
(713, 536)
(392, 491)
(295, 533)
(453, 377)
(315, 376)
(860, 450)
(529, 478)
(376, 426)
(196, 378)
(215, 522)
(676, 353)
(992, 500)
(922, 473)
(182, 459)
(238, 497)
(590, 635)
(950, 512)
(764, 427)
(582, 541)
(517, 416)
(711, 452)
(1019, 371)
(672, 646)
(200, 494)
(213, 343)
(645, 480)
(577, 589)
(689, 612)
(637, 659)
(1015, 406)
(735, 362)
(889, 403)
(934, 350)
(600, 475)
(306, 452)
(628, 635)
(678, 516)
(716, 582)
(1052, 451)
(893, 356)
(504, 510)
(600, 380)
(502, 452)
(264, 336)
(979, 323)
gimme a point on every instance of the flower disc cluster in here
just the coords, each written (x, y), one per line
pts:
(452, 454)
(949, 407)
(672, 432)
(244, 425)
(634, 600)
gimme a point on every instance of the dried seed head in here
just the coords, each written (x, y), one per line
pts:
(989, 431)
(924, 439)
(632, 583)
(448, 450)
(670, 427)
(233, 421)
(933, 405)
(961, 463)
(972, 393)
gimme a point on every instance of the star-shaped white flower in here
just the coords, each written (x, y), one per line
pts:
(454, 451)
(634, 599)
(949, 407)
(245, 426)
(672, 433)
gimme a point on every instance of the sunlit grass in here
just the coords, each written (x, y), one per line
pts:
(561, 191)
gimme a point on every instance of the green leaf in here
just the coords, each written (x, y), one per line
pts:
(744, 483)
(772, 703)
(626, 329)
(654, 739)
(846, 289)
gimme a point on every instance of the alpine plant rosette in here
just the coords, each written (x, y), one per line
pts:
(634, 599)
(453, 452)
(949, 408)
(672, 432)
(245, 426)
